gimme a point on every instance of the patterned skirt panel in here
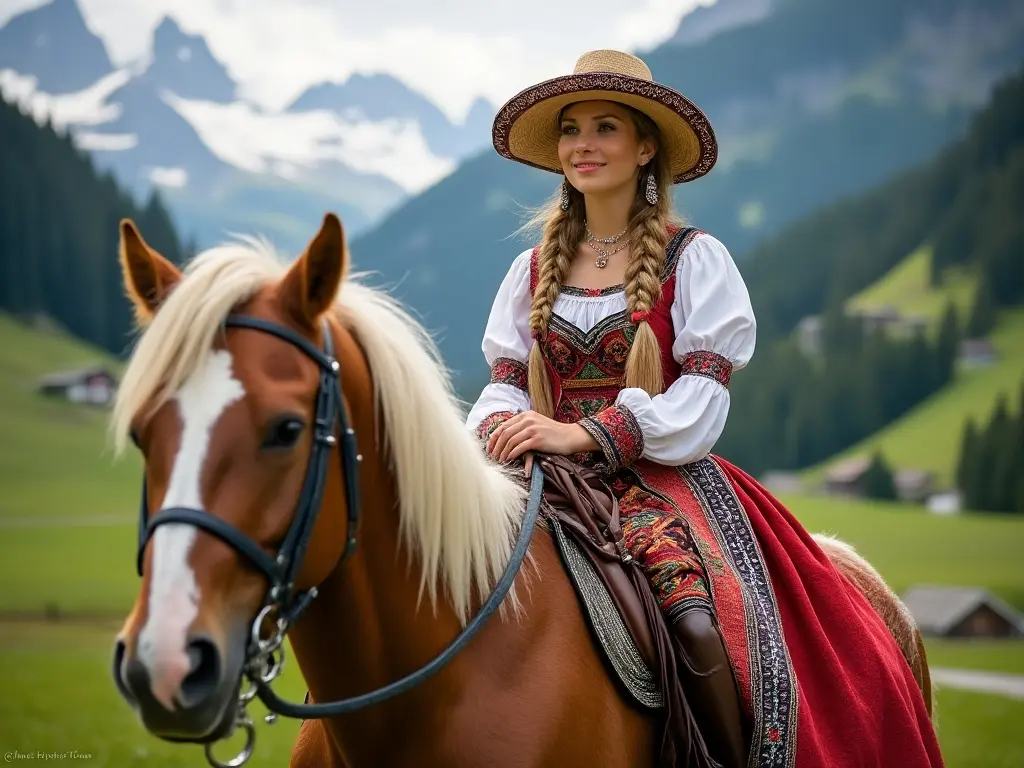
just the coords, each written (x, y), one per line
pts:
(658, 537)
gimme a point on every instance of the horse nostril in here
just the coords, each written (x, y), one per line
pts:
(204, 673)
(118, 670)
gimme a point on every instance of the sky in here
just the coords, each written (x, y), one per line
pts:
(450, 50)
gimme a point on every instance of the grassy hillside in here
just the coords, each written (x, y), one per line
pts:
(54, 458)
(908, 287)
(928, 437)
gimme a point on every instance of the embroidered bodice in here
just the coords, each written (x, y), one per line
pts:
(706, 329)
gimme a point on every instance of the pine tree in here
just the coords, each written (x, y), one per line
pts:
(990, 471)
(877, 482)
(969, 446)
(983, 312)
(946, 347)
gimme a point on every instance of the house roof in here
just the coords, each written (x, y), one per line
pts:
(913, 478)
(976, 347)
(939, 609)
(848, 470)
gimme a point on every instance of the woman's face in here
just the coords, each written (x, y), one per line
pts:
(599, 148)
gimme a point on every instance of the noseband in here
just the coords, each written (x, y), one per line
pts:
(265, 657)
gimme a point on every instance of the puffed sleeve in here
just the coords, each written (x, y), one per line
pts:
(506, 347)
(715, 335)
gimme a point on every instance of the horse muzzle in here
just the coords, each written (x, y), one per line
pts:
(188, 701)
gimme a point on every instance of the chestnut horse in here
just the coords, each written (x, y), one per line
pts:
(224, 416)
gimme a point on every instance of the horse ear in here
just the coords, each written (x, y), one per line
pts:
(311, 285)
(148, 276)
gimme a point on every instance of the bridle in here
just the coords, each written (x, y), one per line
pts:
(265, 657)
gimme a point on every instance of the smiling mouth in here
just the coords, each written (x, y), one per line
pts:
(587, 167)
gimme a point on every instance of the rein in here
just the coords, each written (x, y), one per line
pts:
(265, 657)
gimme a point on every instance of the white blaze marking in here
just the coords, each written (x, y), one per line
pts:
(174, 595)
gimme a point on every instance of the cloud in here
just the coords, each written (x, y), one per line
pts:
(84, 107)
(105, 142)
(168, 177)
(453, 51)
(285, 143)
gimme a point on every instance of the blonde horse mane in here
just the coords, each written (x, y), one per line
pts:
(460, 513)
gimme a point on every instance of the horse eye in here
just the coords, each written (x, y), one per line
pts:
(284, 432)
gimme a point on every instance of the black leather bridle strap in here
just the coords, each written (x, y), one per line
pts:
(330, 409)
(324, 358)
(223, 531)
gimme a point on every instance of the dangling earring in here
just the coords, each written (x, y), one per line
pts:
(651, 193)
(565, 195)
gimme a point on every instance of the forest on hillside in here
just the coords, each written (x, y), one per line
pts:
(791, 411)
(59, 233)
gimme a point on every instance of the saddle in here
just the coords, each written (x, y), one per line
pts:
(619, 605)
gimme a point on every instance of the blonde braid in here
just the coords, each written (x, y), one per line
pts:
(649, 228)
(563, 232)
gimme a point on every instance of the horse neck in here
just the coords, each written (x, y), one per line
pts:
(367, 627)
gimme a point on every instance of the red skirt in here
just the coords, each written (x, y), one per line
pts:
(820, 676)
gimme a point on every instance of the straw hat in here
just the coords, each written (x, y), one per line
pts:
(526, 129)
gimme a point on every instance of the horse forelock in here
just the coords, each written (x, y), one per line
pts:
(174, 344)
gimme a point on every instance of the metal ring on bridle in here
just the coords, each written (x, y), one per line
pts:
(273, 664)
(257, 626)
(244, 697)
(242, 757)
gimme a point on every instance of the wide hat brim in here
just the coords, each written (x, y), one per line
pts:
(526, 128)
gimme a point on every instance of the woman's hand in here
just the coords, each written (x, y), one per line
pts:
(529, 431)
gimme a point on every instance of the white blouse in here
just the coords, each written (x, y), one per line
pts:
(711, 312)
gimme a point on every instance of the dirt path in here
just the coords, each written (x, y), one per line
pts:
(999, 683)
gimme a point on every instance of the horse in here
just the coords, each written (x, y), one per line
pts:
(224, 395)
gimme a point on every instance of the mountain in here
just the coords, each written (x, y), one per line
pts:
(54, 44)
(811, 104)
(174, 121)
(706, 21)
(381, 97)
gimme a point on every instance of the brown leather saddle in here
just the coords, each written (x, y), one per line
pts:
(614, 614)
(615, 596)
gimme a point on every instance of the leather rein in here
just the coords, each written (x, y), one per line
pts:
(265, 657)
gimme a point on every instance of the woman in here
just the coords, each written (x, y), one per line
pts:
(613, 342)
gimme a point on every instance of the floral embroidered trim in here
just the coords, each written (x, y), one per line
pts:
(490, 423)
(708, 364)
(506, 370)
(593, 293)
(617, 432)
(773, 685)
